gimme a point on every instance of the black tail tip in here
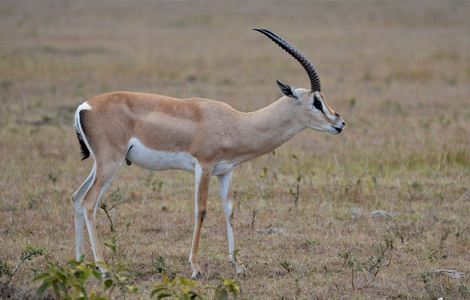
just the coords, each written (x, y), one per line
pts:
(84, 149)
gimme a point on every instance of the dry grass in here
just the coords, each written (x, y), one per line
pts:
(398, 71)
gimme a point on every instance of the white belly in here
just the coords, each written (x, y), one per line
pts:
(222, 167)
(157, 160)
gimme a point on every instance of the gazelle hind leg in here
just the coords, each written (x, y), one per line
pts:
(202, 178)
(77, 198)
(103, 177)
(224, 185)
(81, 191)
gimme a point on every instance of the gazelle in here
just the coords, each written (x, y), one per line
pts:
(207, 137)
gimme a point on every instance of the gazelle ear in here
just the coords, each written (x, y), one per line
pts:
(287, 90)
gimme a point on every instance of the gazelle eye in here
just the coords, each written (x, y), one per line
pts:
(317, 104)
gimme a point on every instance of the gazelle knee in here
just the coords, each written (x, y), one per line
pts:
(201, 214)
(88, 212)
(77, 208)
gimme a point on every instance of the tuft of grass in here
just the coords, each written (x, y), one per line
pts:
(287, 266)
(4, 269)
(161, 267)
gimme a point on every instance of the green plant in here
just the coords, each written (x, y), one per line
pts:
(4, 269)
(253, 218)
(180, 288)
(352, 102)
(80, 280)
(68, 282)
(104, 207)
(295, 192)
(262, 182)
(161, 267)
(225, 288)
(27, 254)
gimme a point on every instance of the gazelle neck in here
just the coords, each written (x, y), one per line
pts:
(268, 128)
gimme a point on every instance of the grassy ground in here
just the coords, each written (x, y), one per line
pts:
(397, 71)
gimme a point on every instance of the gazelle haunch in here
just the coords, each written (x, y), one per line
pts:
(207, 137)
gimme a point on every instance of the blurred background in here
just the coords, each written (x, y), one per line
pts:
(397, 71)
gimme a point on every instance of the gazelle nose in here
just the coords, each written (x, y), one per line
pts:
(343, 123)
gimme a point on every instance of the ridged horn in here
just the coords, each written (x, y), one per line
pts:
(308, 66)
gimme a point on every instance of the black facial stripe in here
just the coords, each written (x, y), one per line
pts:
(317, 104)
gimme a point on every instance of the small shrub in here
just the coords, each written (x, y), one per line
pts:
(381, 258)
(295, 192)
(112, 244)
(441, 284)
(79, 280)
(27, 254)
(181, 288)
(68, 282)
(372, 265)
(353, 264)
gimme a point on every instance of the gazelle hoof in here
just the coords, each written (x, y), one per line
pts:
(105, 274)
(196, 275)
(240, 269)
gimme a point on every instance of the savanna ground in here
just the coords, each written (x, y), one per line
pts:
(397, 71)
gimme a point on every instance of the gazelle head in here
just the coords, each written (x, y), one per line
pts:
(313, 111)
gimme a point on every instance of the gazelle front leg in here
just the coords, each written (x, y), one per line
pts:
(224, 185)
(202, 177)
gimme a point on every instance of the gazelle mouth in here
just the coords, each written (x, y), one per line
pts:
(338, 129)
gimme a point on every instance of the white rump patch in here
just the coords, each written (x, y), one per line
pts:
(78, 126)
(83, 106)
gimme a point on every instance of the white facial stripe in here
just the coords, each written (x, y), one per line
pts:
(325, 109)
(328, 113)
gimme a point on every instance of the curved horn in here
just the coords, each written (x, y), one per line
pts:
(308, 66)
